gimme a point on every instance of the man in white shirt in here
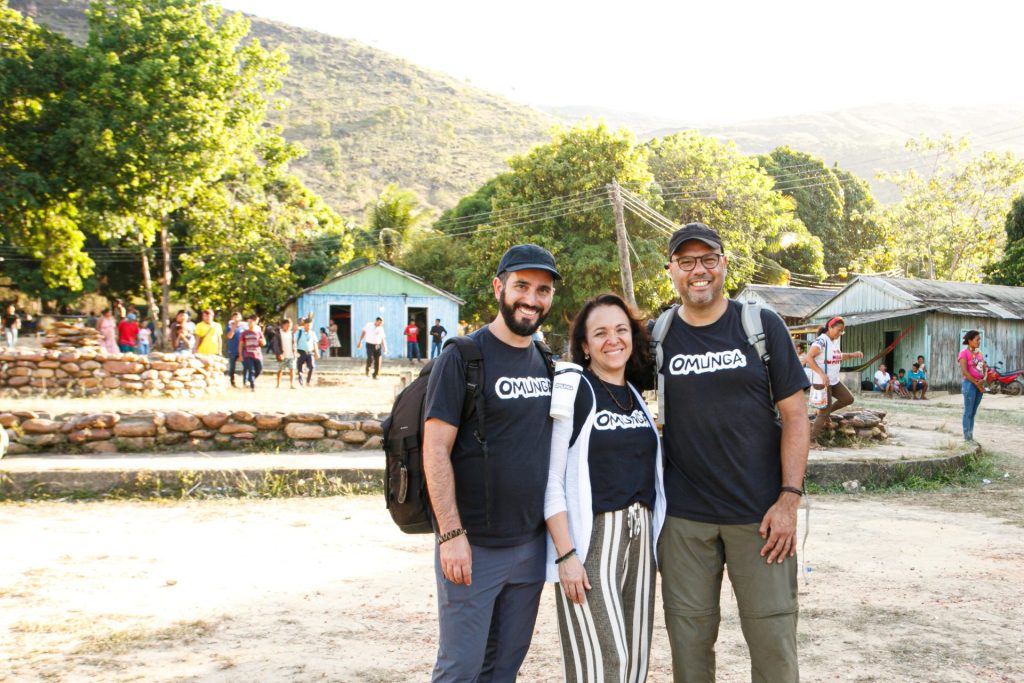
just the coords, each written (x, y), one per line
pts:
(373, 334)
(883, 381)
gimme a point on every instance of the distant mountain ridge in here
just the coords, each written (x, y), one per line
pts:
(368, 118)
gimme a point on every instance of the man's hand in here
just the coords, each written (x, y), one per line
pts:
(778, 528)
(573, 577)
(457, 560)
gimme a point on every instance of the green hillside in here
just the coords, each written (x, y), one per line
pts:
(367, 118)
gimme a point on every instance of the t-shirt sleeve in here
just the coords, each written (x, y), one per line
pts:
(446, 388)
(786, 373)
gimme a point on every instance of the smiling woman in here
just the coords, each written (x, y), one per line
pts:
(604, 482)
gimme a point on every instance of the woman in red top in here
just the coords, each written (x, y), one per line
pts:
(127, 334)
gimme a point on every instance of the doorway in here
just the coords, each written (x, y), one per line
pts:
(890, 358)
(342, 317)
(419, 316)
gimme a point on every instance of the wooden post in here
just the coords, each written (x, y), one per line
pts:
(626, 270)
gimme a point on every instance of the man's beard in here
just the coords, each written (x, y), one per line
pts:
(523, 329)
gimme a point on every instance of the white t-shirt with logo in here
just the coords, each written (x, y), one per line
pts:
(831, 355)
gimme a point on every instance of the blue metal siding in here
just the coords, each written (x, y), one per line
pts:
(393, 309)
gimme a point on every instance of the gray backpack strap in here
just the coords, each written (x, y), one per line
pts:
(750, 316)
(658, 335)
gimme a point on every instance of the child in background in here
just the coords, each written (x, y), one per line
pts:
(144, 339)
(324, 344)
(902, 383)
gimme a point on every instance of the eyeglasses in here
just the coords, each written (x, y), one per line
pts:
(687, 263)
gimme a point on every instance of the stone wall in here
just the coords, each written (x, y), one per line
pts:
(38, 431)
(89, 372)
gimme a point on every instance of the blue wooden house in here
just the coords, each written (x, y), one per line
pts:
(379, 289)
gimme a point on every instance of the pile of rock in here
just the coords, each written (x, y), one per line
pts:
(88, 372)
(39, 431)
(862, 424)
(62, 335)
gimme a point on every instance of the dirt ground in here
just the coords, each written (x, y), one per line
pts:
(917, 586)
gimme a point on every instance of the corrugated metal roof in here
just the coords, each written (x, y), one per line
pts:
(789, 302)
(865, 318)
(961, 298)
(989, 300)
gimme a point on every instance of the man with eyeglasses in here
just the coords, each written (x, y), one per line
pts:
(734, 472)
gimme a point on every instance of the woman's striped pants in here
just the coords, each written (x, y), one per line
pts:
(608, 638)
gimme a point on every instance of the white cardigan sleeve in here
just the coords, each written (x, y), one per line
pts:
(554, 495)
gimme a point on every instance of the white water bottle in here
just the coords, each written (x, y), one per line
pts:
(563, 389)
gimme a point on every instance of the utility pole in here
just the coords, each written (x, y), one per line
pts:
(620, 239)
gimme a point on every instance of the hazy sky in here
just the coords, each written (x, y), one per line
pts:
(697, 63)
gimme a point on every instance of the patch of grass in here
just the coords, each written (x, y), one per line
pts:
(974, 469)
(190, 485)
(122, 642)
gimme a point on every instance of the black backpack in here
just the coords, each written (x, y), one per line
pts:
(405, 485)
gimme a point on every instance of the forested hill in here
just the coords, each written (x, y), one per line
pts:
(368, 118)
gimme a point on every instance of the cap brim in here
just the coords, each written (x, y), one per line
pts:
(706, 240)
(533, 266)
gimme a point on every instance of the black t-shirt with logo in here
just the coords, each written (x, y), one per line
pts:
(622, 449)
(517, 394)
(721, 437)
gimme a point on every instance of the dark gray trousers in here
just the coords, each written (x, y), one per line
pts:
(485, 628)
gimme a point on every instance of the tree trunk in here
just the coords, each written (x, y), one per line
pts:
(165, 285)
(147, 279)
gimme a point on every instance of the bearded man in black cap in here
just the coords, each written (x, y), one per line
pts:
(489, 504)
(733, 470)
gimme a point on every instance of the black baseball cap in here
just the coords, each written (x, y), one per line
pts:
(694, 231)
(528, 257)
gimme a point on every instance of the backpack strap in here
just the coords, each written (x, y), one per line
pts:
(753, 327)
(658, 335)
(549, 357)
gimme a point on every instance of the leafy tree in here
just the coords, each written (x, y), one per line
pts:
(950, 223)
(818, 197)
(863, 234)
(39, 190)
(391, 220)
(1010, 269)
(702, 179)
(173, 99)
(556, 196)
(471, 211)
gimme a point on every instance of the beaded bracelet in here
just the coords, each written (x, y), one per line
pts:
(449, 535)
(565, 557)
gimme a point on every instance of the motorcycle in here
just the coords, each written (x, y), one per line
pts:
(1008, 383)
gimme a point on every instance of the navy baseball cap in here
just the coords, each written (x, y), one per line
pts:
(694, 231)
(528, 257)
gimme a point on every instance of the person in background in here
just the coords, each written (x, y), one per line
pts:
(918, 379)
(283, 348)
(412, 341)
(209, 335)
(305, 345)
(182, 337)
(332, 332)
(825, 359)
(11, 323)
(973, 369)
(883, 381)
(801, 353)
(118, 310)
(605, 501)
(462, 329)
(324, 344)
(107, 327)
(376, 344)
(235, 327)
(127, 334)
(437, 335)
(902, 384)
(145, 339)
(250, 347)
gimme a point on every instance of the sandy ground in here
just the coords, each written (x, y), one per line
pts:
(911, 587)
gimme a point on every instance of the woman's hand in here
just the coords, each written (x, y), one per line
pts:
(573, 578)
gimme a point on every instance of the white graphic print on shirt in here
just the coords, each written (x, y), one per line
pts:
(522, 387)
(707, 362)
(607, 420)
